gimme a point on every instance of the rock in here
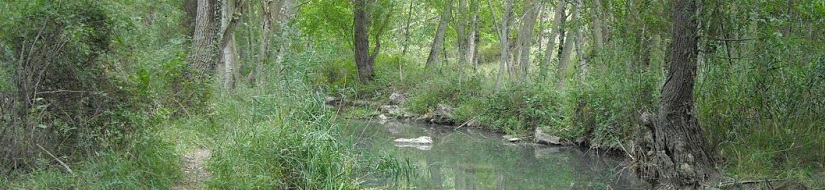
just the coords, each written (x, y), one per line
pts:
(416, 146)
(544, 138)
(332, 101)
(443, 114)
(421, 143)
(419, 140)
(511, 138)
(360, 103)
(397, 98)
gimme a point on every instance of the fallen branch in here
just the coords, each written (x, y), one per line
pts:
(56, 159)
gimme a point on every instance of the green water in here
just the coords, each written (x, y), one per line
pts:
(474, 159)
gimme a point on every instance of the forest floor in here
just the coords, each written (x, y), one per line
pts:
(194, 170)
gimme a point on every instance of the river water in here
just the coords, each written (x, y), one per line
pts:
(467, 158)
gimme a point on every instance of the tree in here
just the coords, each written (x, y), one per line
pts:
(364, 15)
(438, 40)
(525, 37)
(558, 24)
(229, 53)
(202, 61)
(503, 35)
(270, 11)
(680, 154)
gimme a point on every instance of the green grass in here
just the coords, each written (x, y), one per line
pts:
(148, 162)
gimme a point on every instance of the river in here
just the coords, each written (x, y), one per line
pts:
(468, 158)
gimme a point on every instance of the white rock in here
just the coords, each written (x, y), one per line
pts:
(511, 138)
(420, 140)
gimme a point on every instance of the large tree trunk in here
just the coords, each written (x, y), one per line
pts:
(438, 41)
(525, 37)
(362, 54)
(202, 60)
(680, 156)
(558, 22)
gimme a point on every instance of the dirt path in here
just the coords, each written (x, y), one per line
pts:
(194, 170)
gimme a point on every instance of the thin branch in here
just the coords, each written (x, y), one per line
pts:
(732, 39)
(56, 159)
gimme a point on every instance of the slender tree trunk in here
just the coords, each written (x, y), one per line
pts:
(461, 31)
(598, 36)
(525, 37)
(406, 44)
(438, 41)
(473, 32)
(503, 34)
(270, 11)
(681, 156)
(558, 22)
(362, 57)
(286, 14)
(580, 39)
(564, 57)
(228, 46)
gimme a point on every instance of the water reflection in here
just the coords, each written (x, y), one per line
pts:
(474, 159)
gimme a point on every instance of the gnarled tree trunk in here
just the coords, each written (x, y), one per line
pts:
(679, 155)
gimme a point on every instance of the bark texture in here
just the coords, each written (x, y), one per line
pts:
(363, 60)
(680, 156)
(202, 58)
(229, 21)
(525, 37)
(558, 22)
(438, 41)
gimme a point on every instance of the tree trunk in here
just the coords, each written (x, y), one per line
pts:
(580, 39)
(473, 32)
(503, 34)
(202, 61)
(597, 30)
(362, 55)
(270, 11)
(438, 41)
(461, 31)
(525, 37)
(564, 57)
(680, 155)
(229, 55)
(558, 22)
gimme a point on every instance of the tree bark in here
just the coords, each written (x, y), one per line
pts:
(229, 55)
(680, 154)
(564, 57)
(270, 12)
(580, 39)
(438, 40)
(473, 33)
(525, 37)
(363, 62)
(201, 61)
(597, 30)
(503, 34)
(558, 22)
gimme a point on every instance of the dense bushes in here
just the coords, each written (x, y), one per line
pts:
(81, 76)
(61, 92)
